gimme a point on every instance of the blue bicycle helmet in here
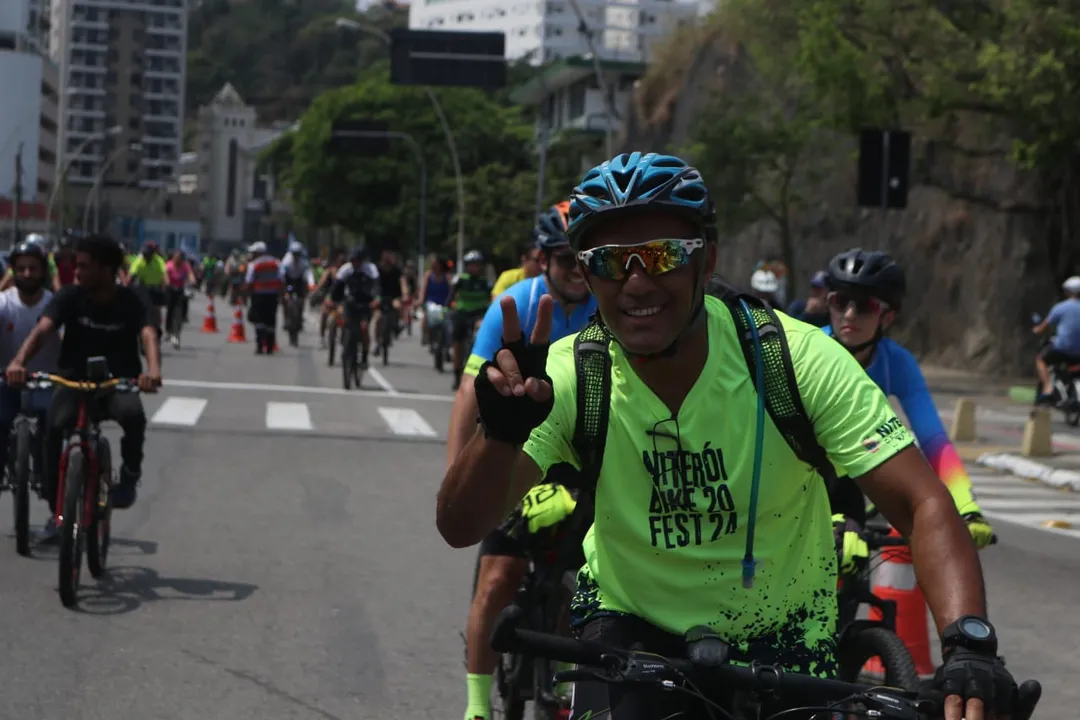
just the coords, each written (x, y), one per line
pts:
(640, 181)
(550, 229)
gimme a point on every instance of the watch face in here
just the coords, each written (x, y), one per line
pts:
(975, 628)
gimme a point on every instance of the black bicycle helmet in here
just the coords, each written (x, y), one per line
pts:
(869, 272)
(31, 249)
(550, 229)
(359, 253)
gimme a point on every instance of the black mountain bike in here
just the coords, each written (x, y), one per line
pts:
(25, 454)
(387, 329)
(352, 372)
(543, 599)
(724, 689)
(294, 317)
(858, 641)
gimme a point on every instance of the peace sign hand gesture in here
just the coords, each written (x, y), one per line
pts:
(514, 392)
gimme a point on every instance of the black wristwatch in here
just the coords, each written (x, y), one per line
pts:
(970, 632)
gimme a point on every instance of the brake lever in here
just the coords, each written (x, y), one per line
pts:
(896, 708)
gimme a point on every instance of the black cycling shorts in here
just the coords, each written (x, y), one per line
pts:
(462, 323)
(156, 295)
(299, 288)
(1053, 357)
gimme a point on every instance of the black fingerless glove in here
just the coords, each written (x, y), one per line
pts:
(510, 419)
(975, 675)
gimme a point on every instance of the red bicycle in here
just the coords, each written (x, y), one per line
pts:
(84, 480)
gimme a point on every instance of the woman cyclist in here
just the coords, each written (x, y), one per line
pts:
(178, 275)
(434, 289)
(322, 289)
(866, 291)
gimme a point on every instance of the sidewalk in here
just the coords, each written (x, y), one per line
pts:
(1000, 432)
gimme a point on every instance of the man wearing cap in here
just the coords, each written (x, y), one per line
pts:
(265, 281)
(813, 310)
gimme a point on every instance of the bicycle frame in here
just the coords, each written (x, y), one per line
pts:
(84, 437)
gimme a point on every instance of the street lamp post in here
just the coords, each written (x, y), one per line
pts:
(347, 24)
(601, 81)
(62, 175)
(95, 191)
(421, 243)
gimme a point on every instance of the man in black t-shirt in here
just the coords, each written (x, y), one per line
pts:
(392, 289)
(99, 319)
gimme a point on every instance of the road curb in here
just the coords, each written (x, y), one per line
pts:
(1026, 468)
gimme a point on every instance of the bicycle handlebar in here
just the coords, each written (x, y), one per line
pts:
(876, 539)
(42, 381)
(710, 659)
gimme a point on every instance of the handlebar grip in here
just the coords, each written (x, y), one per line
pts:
(509, 637)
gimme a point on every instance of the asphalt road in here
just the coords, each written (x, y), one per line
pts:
(282, 561)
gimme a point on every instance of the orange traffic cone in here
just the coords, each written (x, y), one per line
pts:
(236, 334)
(210, 322)
(895, 580)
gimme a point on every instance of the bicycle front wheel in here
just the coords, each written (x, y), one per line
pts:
(861, 646)
(71, 539)
(98, 531)
(20, 482)
(348, 359)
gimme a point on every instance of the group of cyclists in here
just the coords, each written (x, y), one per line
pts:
(626, 266)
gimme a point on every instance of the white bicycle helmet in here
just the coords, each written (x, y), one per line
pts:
(764, 281)
(1072, 285)
(257, 248)
(296, 248)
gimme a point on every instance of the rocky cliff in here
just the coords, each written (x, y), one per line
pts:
(984, 244)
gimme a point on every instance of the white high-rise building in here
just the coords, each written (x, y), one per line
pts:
(28, 114)
(122, 65)
(546, 31)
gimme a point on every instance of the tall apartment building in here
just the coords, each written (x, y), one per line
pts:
(546, 31)
(122, 66)
(28, 111)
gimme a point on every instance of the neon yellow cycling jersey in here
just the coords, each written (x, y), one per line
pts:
(150, 274)
(670, 523)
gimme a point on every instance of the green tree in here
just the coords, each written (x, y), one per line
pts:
(376, 196)
(757, 153)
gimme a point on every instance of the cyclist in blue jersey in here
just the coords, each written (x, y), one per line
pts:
(504, 558)
(866, 290)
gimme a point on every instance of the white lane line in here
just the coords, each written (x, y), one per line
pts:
(179, 411)
(377, 377)
(404, 421)
(1035, 493)
(1050, 506)
(307, 389)
(288, 416)
(1035, 523)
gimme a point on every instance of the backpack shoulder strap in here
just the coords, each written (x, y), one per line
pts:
(592, 362)
(782, 398)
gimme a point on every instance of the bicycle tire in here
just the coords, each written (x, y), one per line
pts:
(20, 482)
(99, 531)
(348, 360)
(71, 539)
(332, 341)
(870, 642)
(384, 338)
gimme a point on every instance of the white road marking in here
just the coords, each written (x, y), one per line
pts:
(405, 421)
(1049, 505)
(288, 416)
(377, 377)
(306, 389)
(179, 411)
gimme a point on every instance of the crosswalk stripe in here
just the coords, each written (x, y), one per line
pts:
(288, 416)
(182, 411)
(404, 421)
(1004, 491)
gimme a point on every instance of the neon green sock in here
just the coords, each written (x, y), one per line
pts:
(479, 702)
